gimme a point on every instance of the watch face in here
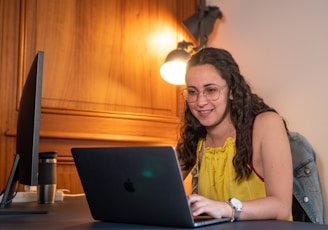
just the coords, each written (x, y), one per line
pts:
(236, 203)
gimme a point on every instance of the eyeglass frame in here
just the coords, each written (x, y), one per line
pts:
(185, 92)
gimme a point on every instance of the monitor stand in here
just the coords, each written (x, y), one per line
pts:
(5, 205)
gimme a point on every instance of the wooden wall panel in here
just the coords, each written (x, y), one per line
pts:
(9, 55)
(103, 57)
(99, 55)
(101, 82)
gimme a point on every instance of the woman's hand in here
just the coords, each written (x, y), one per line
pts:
(200, 205)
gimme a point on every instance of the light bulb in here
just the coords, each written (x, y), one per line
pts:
(174, 72)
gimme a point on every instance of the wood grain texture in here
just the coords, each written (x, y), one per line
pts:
(99, 56)
(101, 82)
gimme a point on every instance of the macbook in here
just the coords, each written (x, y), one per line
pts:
(136, 185)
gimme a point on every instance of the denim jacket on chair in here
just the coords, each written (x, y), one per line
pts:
(306, 183)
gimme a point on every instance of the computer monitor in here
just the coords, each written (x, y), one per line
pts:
(25, 166)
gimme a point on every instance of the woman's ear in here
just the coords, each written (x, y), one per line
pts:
(230, 95)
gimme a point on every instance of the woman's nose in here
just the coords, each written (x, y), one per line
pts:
(202, 99)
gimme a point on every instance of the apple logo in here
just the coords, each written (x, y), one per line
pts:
(128, 185)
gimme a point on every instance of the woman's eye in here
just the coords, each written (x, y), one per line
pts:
(211, 90)
(192, 92)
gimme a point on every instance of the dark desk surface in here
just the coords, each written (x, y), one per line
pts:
(74, 214)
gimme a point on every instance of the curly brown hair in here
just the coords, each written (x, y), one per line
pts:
(244, 107)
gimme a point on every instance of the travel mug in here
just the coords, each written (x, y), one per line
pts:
(47, 178)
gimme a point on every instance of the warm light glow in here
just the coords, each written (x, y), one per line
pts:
(174, 72)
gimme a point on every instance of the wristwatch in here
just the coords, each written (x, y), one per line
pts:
(237, 208)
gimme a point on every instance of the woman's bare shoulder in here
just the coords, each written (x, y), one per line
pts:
(268, 116)
(269, 125)
(268, 120)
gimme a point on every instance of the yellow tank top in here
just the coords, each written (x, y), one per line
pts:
(215, 179)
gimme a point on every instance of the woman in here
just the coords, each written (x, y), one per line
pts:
(235, 146)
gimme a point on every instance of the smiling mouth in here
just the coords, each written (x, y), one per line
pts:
(204, 111)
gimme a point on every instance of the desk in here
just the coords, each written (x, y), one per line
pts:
(73, 213)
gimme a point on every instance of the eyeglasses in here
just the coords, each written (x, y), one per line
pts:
(211, 92)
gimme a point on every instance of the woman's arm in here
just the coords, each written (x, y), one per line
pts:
(272, 161)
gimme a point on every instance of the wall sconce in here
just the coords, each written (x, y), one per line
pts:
(175, 64)
(199, 25)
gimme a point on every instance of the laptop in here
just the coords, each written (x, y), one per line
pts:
(136, 185)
